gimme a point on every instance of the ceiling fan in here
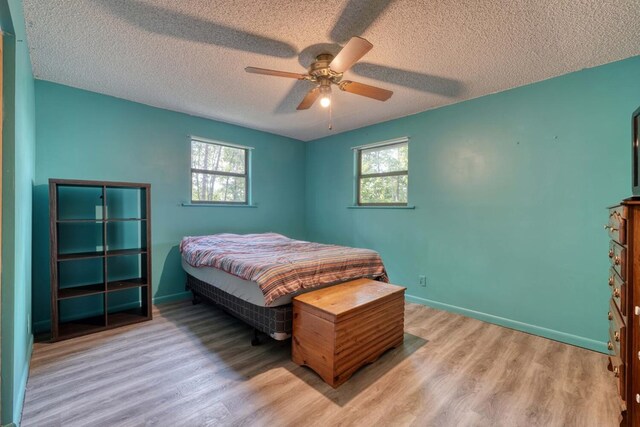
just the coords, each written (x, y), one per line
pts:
(328, 70)
(356, 18)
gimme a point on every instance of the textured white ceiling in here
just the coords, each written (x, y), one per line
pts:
(189, 56)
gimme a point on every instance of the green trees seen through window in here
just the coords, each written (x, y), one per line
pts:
(218, 173)
(383, 175)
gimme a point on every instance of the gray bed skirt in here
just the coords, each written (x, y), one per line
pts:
(273, 321)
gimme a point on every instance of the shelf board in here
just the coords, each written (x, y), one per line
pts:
(98, 288)
(100, 254)
(121, 252)
(59, 182)
(79, 327)
(80, 255)
(117, 285)
(71, 221)
(89, 325)
(126, 317)
(80, 291)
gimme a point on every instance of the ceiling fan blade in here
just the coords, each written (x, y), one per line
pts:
(356, 17)
(309, 99)
(365, 90)
(268, 72)
(355, 49)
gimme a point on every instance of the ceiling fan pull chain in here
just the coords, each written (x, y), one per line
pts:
(331, 116)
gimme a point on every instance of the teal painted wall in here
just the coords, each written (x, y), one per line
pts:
(510, 193)
(84, 135)
(509, 189)
(18, 152)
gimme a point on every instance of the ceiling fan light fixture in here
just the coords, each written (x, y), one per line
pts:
(325, 93)
(325, 101)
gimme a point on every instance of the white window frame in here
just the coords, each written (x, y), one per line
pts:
(246, 175)
(359, 176)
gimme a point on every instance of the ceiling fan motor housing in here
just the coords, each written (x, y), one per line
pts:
(319, 70)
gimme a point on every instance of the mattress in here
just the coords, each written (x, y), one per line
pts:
(277, 265)
(244, 289)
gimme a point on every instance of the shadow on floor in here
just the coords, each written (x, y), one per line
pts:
(228, 342)
(364, 377)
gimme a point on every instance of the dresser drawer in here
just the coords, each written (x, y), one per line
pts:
(617, 226)
(617, 329)
(617, 256)
(617, 367)
(618, 291)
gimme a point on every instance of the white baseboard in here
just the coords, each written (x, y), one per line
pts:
(514, 324)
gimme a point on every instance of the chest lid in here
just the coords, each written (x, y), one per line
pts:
(341, 301)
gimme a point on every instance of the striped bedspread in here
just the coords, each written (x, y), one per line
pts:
(280, 265)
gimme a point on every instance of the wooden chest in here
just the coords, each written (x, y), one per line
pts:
(337, 330)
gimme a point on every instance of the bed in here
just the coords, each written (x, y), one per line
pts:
(255, 276)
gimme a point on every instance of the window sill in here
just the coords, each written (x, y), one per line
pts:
(216, 205)
(381, 207)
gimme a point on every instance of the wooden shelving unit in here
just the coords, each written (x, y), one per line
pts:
(100, 234)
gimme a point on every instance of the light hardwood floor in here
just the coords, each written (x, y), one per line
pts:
(194, 366)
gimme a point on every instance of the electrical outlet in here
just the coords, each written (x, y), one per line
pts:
(422, 281)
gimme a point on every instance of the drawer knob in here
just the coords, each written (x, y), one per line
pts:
(609, 227)
(616, 292)
(609, 345)
(616, 372)
(611, 253)
(616, 336)
(611, 282)
(616, 260)
(610, 316)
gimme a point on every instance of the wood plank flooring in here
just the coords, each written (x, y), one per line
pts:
(194, 366)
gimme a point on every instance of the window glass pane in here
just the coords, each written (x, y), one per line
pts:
(217, 188)
(214, 157)
(384, 189)
(391, 158)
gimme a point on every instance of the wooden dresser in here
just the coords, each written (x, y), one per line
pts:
(624, 306)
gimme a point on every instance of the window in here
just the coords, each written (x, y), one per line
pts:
(383, 174)
(219, 173)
